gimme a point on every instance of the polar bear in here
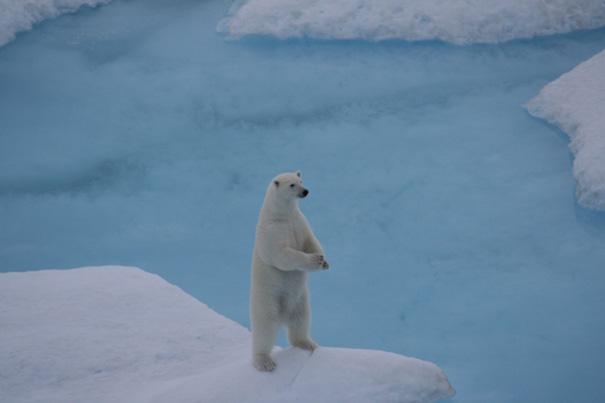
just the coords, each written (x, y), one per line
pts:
(285, 249)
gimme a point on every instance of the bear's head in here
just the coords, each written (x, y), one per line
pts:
(289, 185)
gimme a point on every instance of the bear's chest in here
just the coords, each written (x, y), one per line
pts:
(295, 235)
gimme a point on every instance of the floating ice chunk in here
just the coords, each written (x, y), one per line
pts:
(21, 15)
(456, 21)
(576, 103)
(117, 334)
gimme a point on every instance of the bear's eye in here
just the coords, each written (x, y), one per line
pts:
(292, 185)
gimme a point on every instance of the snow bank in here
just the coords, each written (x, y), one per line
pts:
(21, 15)
(576, 103)
(94, 334)
(117, 334)
(456, 21)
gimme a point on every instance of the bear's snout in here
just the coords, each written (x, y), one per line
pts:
(304, 193)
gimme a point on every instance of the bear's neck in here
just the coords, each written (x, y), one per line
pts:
(275, 208)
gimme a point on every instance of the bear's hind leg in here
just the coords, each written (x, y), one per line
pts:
(264, 333)
(298, 325)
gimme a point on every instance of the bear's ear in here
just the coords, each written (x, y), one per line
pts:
(298, 173)
(276, 183)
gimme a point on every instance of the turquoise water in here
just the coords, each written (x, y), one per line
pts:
(134, 134)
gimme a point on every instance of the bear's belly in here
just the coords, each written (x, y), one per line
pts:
(289, 283)
(276, 283)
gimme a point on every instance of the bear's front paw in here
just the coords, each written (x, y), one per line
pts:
(264, 363)
(318, 262)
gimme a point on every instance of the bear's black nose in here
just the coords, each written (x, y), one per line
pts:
(305, 193)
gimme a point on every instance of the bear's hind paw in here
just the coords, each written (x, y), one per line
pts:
(264, 363)
(308, 345)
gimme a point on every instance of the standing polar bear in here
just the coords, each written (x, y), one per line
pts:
(285, 250)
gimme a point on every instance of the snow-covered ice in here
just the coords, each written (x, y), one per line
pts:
(21, 15)
(98, 334)
(576, 103)
(119, 334)
(328, 375)
(456, 21)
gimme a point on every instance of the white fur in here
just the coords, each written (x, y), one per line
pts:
(285, 250)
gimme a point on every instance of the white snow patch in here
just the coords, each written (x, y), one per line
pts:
(118, 334)
(575, 102)
(456, 21)
(328, 375)
(21, 15)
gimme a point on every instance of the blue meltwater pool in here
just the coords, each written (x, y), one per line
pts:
(135, 134)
